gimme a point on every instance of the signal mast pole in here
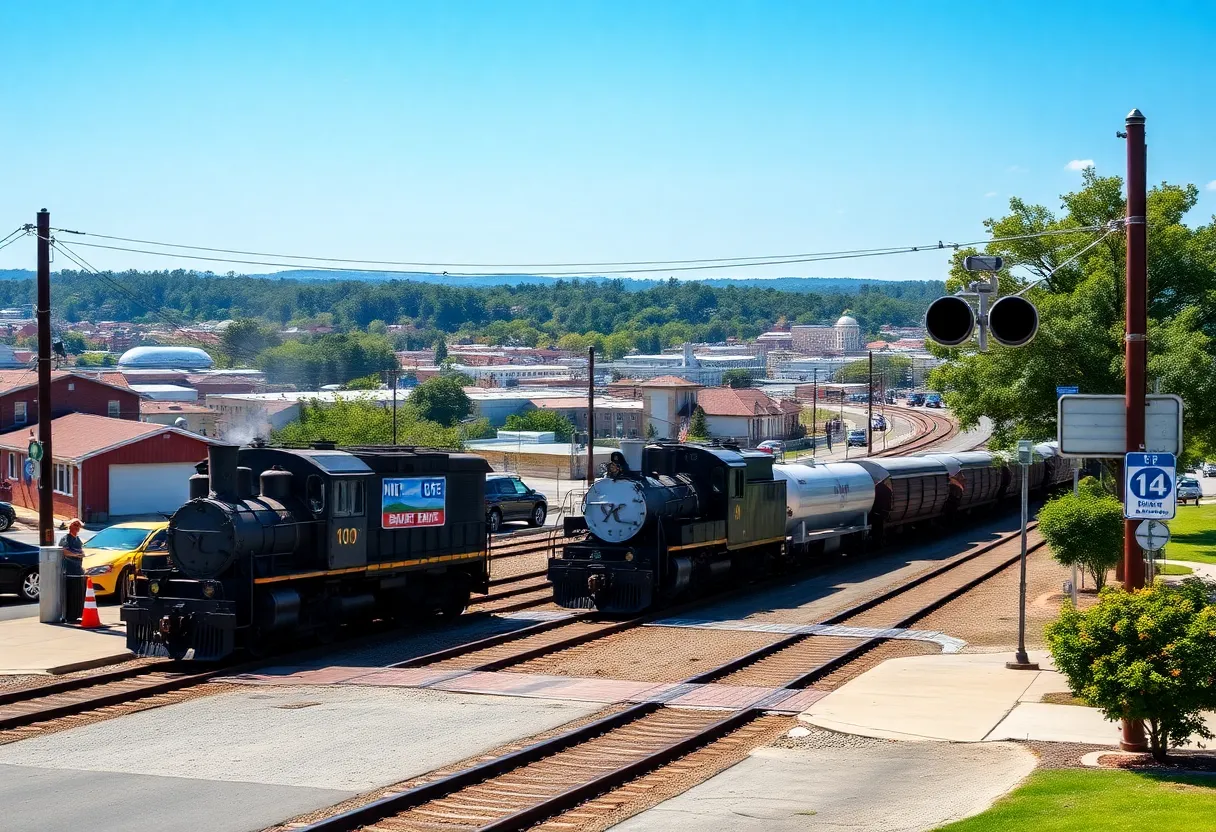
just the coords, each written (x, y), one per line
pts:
(590, 416)
(46, 501)
(1136, 356)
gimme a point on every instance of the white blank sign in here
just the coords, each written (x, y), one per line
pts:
(1095, 426)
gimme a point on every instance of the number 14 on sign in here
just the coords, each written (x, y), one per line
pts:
(1150, 491)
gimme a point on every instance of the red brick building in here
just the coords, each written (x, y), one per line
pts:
(106, 395)
(107, 467)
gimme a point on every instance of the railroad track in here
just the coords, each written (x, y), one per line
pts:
(933, 428)
(597, 767)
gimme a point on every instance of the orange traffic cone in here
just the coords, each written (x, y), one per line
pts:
(89, 619)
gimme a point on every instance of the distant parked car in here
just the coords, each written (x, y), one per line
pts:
(772, 446)
(879, 423)
(509, 498)
(7, 517)
(933, 400)
(858, 439)
(1189, 490)
(916, 399)
(19, 568)
(1209, 469)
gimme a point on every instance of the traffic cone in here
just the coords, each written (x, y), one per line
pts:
(89, 619)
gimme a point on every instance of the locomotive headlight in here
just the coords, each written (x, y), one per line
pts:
(208, 590)
(629, 556)
(154, 587)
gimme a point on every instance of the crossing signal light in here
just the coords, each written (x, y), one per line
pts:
(950, 321)
(1013, 321)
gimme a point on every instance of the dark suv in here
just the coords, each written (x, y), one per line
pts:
(508, 498)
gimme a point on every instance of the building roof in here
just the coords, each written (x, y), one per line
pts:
(78, 436)
(573, 403)
(668, 381)
(847, 320)
(11, 380)
(747, 401)
(183, 358)
(147, 408)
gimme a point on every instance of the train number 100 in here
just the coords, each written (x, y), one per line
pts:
(348, 536)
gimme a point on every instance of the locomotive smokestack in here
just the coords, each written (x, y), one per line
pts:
(221, 465)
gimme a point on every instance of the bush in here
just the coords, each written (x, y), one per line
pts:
(1084, 530)
(441, 399)
(1148, 655)
(737, 379)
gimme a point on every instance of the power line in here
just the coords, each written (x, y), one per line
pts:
(718, 264)
(14, 237)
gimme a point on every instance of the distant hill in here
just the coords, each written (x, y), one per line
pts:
(821, 285)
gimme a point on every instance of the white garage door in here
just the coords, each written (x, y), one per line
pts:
(149, 489)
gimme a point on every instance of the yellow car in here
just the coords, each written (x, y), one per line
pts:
(113, 554)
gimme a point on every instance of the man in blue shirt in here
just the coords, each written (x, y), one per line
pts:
(73, 573)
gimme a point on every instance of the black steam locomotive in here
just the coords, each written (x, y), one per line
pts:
(277, 543)
(683, 515)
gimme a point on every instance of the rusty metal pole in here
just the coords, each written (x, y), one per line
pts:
(590, 415)
(46, 501)
(1136, 351)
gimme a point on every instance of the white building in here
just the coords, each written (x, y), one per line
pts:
(700, 368)
(842, 336)
(518, 373)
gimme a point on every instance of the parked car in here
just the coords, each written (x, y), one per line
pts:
(19, 568)
(772, 446)
(878, 423)
(1209, 469)
(1189, 490)
(933, 400)
(8, 516)
(858, 439)
(916, 399)
(509, 498)
(113, 554)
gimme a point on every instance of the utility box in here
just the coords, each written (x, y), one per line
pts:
(50, 584)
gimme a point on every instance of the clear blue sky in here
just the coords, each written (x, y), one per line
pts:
(549, 132)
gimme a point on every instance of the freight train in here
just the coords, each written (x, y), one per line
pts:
(275, 543)
(677, 517)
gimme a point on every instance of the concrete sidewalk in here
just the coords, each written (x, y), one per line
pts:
(30, 647)
(961, 698)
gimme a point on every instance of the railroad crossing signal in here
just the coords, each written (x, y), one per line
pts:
(1012, 320)
(1150, 492)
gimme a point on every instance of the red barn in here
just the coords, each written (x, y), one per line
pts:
(107, 467)
(106, 395)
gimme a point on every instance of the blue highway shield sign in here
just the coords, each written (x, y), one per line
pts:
(1150, 493)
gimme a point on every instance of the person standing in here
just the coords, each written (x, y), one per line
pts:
(73, 573)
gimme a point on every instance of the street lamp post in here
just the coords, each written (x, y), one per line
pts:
(1021, 659)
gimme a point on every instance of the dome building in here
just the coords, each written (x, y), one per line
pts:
(165, 358)
(848, 334)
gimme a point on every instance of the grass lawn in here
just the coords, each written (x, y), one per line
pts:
(1193, 534)
(1086, 801)
(1174, 569)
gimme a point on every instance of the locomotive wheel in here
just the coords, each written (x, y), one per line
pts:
(495, 522)
(456, 604)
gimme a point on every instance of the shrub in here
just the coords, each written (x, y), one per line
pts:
(1085, 530)
(1148, 655)
(698, 427)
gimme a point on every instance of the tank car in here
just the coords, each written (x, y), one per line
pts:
(276, 543)
(678, 517)
(827, 505)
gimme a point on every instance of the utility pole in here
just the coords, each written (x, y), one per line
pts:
(1136, 352)
(590, 415)
(870, 410)
(46, 502)
(814, 407)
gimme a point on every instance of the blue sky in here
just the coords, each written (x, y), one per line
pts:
(499, 132)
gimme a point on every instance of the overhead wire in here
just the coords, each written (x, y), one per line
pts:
(13, 237)
(701, 264)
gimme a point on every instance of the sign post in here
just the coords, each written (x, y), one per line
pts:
(1149, 492)
(1021, 659)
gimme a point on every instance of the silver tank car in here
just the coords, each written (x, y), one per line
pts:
(826, 497)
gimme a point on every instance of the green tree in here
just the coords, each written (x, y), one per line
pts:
(542, 420)
(441, 351)
(328, 359)
(243, 340)
(74, 343)
(368, 382)
(651, 433)
(891, 370)
(441, 399)
(1080, 304)
(1144, 655)
(1086, 530)
(364, 421)
(737, 379)
(698, 427)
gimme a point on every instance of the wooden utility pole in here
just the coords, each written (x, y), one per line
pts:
(46, 501)
(1136, 355)
(590, 415)
(870, 410)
